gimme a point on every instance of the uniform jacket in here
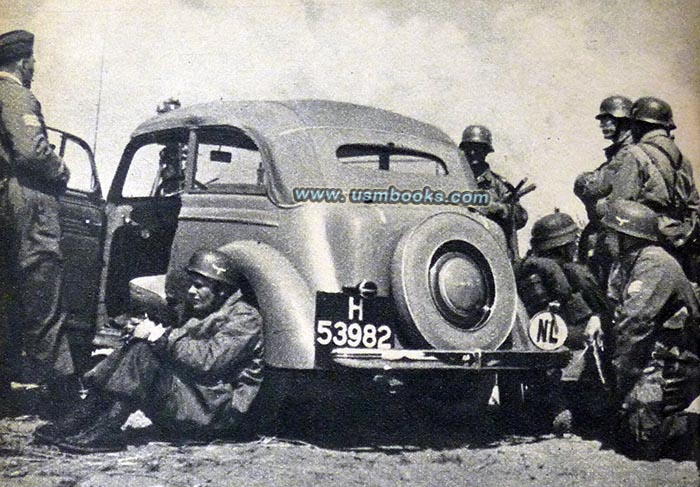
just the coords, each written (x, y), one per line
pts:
(654, 303)
(22, 132)
(202, 376)
(217, 363)
(573, 286)
(499, 190)
(676, 171)
(31, 177)
(630, 176)
(225, 348)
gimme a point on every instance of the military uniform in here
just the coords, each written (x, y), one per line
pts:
(623, 176)
(655, 304)
(676, 171)
(679, 220)
(655, 313)
(504, 207)
(35, 176)
(199, 379)
(683, 206)
(573, 286)
(510, 215)
(548, 275)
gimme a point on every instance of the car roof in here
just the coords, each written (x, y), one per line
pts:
(273, 118)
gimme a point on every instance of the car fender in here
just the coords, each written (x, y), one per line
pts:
(285, 300)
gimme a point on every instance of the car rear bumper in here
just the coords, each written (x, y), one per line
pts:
(498, 360)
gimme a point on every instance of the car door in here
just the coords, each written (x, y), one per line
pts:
(82, 222)
(142, 211)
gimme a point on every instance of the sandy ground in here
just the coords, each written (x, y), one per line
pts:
(429, 455)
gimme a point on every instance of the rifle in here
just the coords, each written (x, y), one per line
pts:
(514, 195)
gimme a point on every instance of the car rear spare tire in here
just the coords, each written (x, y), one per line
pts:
(453, 284)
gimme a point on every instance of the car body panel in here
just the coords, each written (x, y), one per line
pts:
(290, 252)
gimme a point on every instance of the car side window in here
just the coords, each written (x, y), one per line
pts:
(228, 161)
(156, 169)
(390, 158)
(77, 157)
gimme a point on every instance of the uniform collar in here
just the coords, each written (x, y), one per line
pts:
(11, 77)
(614, 148)
(653, 134)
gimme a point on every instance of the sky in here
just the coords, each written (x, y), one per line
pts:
(533, 71)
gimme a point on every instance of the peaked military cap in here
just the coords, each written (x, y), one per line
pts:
(16, 45)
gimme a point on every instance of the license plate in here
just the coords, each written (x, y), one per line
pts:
(344, 321)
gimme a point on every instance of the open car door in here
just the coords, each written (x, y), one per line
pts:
(83, 224)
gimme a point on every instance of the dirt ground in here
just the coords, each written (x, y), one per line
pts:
(482, 452)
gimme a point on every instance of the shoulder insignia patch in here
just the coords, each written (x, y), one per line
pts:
(31, 120)
(635, 287)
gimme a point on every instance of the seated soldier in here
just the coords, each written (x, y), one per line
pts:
(196, 381)
(549, 279)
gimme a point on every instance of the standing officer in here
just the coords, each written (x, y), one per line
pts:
(504, 207)
(35, 176)
(680, 213)
(619, 177)
(654, 315)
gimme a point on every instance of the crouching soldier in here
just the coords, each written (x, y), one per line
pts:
(655, 312)
(549, 280)
(195, 381)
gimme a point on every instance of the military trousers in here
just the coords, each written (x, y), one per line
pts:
(36, 274)
(173, 398)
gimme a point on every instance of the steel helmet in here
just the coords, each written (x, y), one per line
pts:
(477, 134)
(214, 265)
(554, 230)
(632, 218)
(615, 106)
(653, 110)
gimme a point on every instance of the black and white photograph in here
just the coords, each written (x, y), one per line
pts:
(358, 243)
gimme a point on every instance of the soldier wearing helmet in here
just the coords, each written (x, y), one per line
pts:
(655, 315)
(548, 279)
(619, 177)
(197, 380)
(680, 211)
(503, 208)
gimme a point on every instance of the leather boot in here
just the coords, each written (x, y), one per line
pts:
(104, 435)
(71, 422)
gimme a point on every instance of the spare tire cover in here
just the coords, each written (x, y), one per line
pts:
(411, 283)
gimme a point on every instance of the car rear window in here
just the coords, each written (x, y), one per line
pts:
(388, 157)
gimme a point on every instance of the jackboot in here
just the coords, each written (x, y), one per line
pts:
(104, 435)
(73, 421)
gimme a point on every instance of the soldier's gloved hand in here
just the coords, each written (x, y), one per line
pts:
(42, 148)
(594, 331)
(144, 329)
(497, 210)
(591, 186)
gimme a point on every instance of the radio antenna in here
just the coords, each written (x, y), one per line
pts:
(99, 96)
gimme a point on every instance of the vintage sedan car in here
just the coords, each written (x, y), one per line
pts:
(348, 287)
